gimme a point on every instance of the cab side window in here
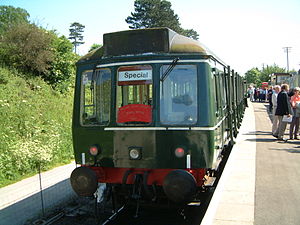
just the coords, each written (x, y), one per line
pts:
(96, 96)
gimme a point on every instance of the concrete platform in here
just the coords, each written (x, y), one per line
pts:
(233, 200)
(22, 201)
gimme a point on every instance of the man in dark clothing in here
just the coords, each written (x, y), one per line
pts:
(283, 108)
(270, 92)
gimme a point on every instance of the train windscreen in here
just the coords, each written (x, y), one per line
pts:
(178, 95)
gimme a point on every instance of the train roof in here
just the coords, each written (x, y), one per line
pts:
(146, 41)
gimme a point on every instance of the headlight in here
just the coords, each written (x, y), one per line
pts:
(94, 150)
(135, 153)
(179, 152)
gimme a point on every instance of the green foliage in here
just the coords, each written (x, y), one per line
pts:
(266, 71)
(38, 52)
(35, 126)
(153, 13)
(27, 48)
(190, 33)
(256, 76)
(76, 30)
(252, 76)
(35, 117)
(10, 16)
(62, 69)
(156, 13)
(94, 46)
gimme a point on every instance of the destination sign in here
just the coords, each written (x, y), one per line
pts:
(135, 75)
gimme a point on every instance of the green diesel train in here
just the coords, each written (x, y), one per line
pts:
(154, 112)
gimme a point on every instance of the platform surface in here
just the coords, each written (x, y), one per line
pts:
(21, 201)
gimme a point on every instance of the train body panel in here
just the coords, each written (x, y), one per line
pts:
(157, 148)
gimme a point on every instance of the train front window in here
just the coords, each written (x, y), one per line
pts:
(178, 95)
(96, 95)
(134, 95)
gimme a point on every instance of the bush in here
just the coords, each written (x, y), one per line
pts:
(40, 53)
(62, 66)
(35, 126)
(27, 48)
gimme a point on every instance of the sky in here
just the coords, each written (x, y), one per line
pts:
(243, 33)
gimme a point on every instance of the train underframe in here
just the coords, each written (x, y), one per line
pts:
(147, 186)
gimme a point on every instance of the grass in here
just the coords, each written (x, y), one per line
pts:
(35, 126)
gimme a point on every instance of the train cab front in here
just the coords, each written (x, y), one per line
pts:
(145, 138)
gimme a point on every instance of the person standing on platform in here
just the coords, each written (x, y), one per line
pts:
(274, 103)
(270, 93)
(251, 92)
(265, 94)
(283, 108)
(294, 126)
(255, 94)
(260, 95)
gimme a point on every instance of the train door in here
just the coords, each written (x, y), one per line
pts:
(219, 102)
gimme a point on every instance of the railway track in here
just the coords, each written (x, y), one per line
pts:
(126, 215)
(88, 212)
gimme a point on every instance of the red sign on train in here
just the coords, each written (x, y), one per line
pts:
(135, 113)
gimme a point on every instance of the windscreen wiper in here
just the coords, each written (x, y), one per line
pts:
(169, 69)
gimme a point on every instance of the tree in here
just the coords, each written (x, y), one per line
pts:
(39, 52)
(62, 66)
(94, 46)
(156, 13)
(252, 76)
(191, 33)
(27, 48)
(266, 71)
(10, 16)
(256, 76)
(76, 30)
